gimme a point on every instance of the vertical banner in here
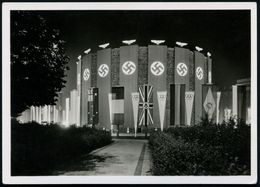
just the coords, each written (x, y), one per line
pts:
(218, 100)
(209, 104)
(181, 79)
(146, 105)
(161, 96)
(85, 85)
(128, 79)
(189, 98)
(157, 67)
(104, 85)
(182, 61)
(135, 102)
(110, 111)
(199, 81)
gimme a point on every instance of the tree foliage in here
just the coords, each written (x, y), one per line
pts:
(38, 62)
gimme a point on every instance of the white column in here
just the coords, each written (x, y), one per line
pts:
(218, 100)
(67, 111)
(63, 119)
(49, 113)
(40, 114)
(33, 113)
(234, 101)
(78, 111)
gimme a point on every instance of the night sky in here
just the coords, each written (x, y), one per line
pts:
(225, 34)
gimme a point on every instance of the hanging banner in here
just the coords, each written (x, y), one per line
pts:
(209, 104)
(189, 98)
(157, 73)
(110, 110)
(135, 102)
(161, 96)
(218, 99)
(128, 77)
(146, 105)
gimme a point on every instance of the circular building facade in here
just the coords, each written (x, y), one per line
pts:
(134, 86)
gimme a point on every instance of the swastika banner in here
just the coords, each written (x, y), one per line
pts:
(85, 85)
(200, 74)
(128, 78)
(157, 66)
(104, 85)
(181, 67)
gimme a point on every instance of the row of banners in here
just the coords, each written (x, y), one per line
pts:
(142, 106)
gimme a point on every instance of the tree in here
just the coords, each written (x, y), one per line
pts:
(38, 62)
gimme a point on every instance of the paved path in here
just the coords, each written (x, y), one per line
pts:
(124, 157)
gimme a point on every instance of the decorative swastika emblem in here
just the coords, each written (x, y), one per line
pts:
(182, 69)
(103, 70)
(128, 68)
(157, 68)
(199, 73)
(86, 74)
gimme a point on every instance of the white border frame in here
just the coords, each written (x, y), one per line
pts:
(6, 154)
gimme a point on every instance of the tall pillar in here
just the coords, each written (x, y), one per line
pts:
(234, 101)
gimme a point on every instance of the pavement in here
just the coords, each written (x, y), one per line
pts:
(124, 157)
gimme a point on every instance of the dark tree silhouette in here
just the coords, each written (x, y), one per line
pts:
(38, 62)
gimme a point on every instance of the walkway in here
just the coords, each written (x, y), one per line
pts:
(124, 157)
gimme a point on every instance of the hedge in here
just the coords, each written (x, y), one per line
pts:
(202, 150)
(38, 149)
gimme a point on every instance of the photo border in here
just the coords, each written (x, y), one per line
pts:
(6, 120)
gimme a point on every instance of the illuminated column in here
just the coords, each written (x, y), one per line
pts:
(45, 113)
(33, 113)
(209, 61)
(234, 101)
(79, 81)
(40, 114)
(63, 117)
(49, 113)
(67, 111)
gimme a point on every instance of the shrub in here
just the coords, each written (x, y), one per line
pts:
(202, 150)
(38, 149)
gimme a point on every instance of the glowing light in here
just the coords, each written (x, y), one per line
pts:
(103, 70)
(198, 48)
(87, 51)
(86, 74)
(181, 44)
(208, 54)
(199, 73)
(157, 42)
(157, 68)
(103, 46)
(128, 42)
(182, 69)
